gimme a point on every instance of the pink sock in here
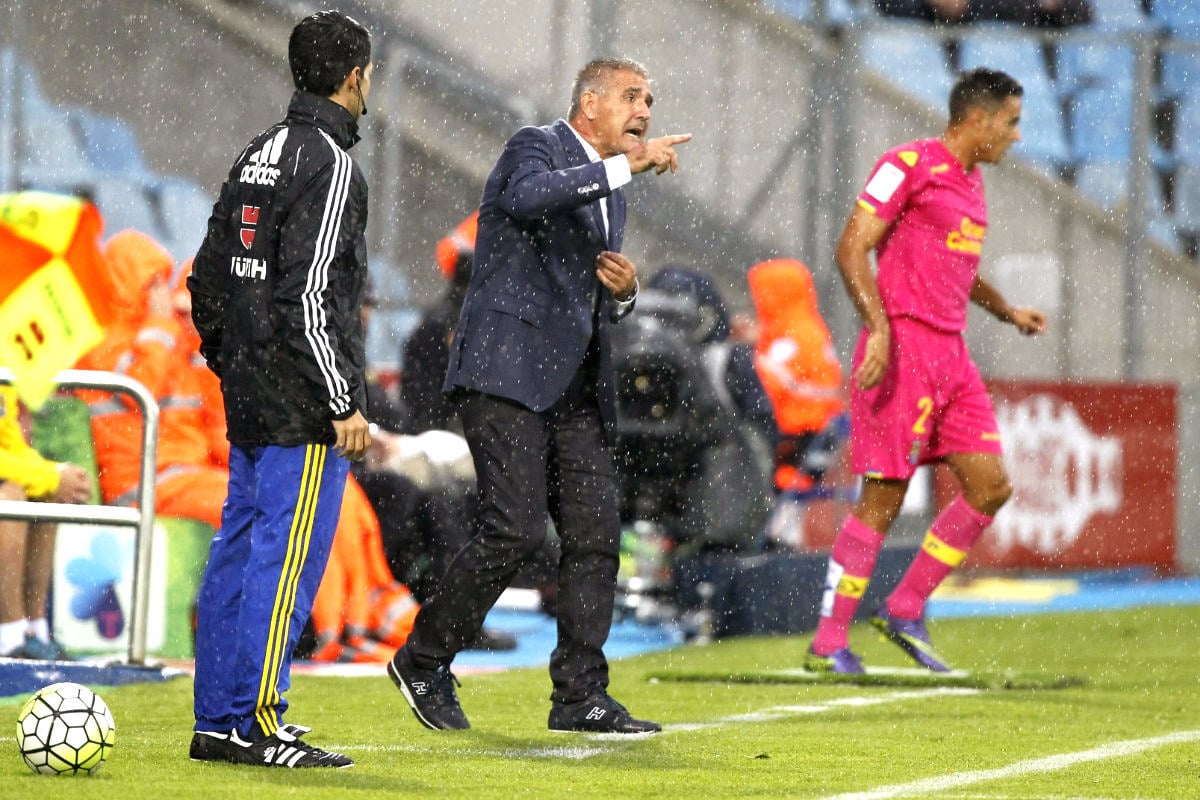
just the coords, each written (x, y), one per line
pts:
(945, 546)
(850, 566)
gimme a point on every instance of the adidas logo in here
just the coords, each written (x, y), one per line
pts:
(260, 168)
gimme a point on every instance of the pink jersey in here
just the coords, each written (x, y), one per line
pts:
(929, 257)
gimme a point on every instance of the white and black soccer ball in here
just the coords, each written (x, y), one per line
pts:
(65, 729)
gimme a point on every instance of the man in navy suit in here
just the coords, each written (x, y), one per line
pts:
(531, 368)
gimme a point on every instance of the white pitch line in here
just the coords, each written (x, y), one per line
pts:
(598, 739)
(1047, 764)
(780, 712)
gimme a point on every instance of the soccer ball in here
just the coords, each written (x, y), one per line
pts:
(65, 729)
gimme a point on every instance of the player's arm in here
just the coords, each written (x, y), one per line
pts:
(862, 233)
(1028, 321)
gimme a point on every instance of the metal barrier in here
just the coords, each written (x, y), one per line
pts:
(140, 518)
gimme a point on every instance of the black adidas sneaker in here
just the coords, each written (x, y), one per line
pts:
(281, 749)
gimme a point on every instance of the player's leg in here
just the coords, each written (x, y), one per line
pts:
(968, 441)
(219, 600)
(851, 563)
(39, 572)
(298, 499)
(886, 437)
(14, 534)
(954, 531)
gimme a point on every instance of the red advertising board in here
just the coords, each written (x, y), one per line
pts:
(1094, 473)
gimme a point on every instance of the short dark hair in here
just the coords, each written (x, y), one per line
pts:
(594, 75)
(981, 87)
(324, 47)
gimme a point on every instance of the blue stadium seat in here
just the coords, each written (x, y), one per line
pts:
(51, 157)
(912, 58)
(1180, 17)
(1187, 198)
(1106, 182)
(126, 202)
(1121, 15)
(1101, 123)
(1180, 69)
(184, 208)
(1043, 133)
(839, 11)
(1084, 64)
(1187, 129)
(109, 143)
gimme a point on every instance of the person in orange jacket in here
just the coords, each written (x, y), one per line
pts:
(148, 341)
(798, 367)
(361, 612)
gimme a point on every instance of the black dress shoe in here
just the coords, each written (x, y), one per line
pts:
(599, 713)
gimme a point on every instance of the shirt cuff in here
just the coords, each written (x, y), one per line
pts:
(622, 306)
(616, 169)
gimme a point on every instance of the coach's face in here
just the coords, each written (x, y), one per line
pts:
(619, 113)
(999, 129)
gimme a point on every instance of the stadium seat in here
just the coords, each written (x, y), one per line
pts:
(1043, 135)
(126, 203)
(184, 207)
(1087, 64)
(1187, 129)
(1180, 69)
(839, 11)
(51, 157)
(109, 143)
(913, 58)
(1120, 16)
(1106, 182)
(1180, 17)
(1101, 123)
(1187, 198)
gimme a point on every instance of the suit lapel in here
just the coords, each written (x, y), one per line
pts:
(576, 156)
(616, 220)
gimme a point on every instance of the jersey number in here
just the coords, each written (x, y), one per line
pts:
(926, 406)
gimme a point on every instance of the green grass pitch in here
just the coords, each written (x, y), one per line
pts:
(1097, 706)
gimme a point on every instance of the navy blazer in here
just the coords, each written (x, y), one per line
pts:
(529, 312)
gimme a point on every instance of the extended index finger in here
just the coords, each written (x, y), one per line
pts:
(678, 138)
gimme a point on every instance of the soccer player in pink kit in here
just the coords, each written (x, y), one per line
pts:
(917, 395)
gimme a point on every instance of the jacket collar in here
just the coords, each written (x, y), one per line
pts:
(570, 141)
(326, 115)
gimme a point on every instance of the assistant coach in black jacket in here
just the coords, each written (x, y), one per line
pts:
(531, 368)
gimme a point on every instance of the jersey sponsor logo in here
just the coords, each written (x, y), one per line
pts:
(253, 268)
(260, 169)
(250, 216)
(968, 238)
(885, 182)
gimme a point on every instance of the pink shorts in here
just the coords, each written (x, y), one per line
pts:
(930, 403)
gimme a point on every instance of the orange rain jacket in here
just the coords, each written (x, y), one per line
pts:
(794, 355)
(137, 344)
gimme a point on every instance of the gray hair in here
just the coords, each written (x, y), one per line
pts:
(595, 74)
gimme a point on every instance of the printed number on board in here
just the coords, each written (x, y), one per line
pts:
(30, 339)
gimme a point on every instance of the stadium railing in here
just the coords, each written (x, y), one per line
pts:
(141, 519)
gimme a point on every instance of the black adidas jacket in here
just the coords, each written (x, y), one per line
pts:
(277, 284)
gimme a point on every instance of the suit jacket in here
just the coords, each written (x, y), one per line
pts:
(531, 307)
